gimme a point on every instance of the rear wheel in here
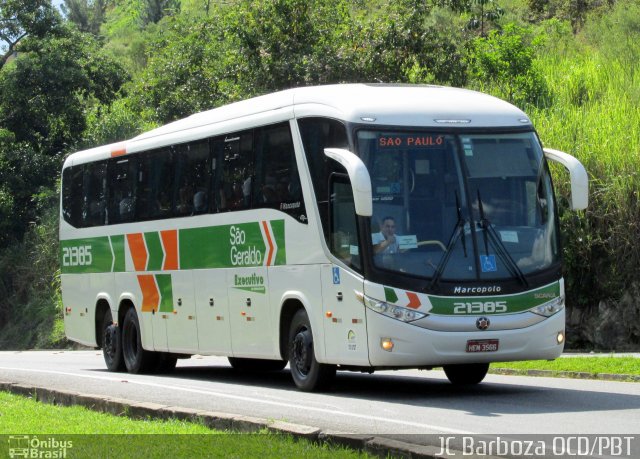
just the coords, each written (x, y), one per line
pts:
(111, 343)
(466, 374)
(136, 359)
(256, 364)
(307, 372)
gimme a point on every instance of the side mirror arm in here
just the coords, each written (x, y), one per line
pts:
(359, 177)
(578, 175)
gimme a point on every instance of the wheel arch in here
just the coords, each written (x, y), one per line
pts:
(102, 306)
(125, 304)
(292, 302)
(289, 308)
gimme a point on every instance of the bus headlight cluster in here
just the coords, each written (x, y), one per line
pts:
(550, 307)
(391, 310)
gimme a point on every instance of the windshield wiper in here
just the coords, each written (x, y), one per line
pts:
(490, 233)
(458, 231)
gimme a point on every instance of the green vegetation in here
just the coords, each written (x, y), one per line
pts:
(161, 439)
(113, 68)
(591, 365)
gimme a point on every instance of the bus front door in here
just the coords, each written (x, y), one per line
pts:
(345, 330)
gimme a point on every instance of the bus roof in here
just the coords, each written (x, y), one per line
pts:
(373, 104)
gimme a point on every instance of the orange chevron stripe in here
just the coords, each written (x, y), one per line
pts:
(170, 244)
(266, 231)
(150, 294)
(138, 251)
(414, 301)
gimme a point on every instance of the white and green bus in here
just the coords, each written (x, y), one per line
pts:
(351, 227)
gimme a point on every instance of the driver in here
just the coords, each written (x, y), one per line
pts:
(385, 242)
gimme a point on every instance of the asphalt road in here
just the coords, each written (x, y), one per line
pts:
(402, 404)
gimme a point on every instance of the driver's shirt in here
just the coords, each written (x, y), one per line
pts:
(377, 238)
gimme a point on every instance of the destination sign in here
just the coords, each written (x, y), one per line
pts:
(410, 141)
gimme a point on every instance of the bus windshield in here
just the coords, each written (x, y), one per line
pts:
(460, 207)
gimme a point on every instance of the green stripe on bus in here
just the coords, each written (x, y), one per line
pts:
(227, 246)
(278, 234)
(514, 303)
(166, 292)
(117, 245)
(154, 249)
(390, 295)
(88, 255)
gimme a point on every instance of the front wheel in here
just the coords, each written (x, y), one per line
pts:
(307, 372)
(136, 359)
(466, 374)
(111, 343)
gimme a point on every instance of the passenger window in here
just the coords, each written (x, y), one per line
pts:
(122, 201)
(155, 185)
(235, 177)
(72, 179)
(192, 190)
(277, 178)
(95, 194)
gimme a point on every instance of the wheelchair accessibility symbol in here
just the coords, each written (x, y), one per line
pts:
(336, 275)
(488, 263)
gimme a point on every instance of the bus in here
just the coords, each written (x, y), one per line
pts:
(354, 227)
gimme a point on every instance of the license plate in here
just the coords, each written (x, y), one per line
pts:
(482, 345)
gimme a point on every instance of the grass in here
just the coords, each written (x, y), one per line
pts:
(94, 434)
(590, 365)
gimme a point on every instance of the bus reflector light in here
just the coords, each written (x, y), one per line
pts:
(329, 314)
(386, 344)
(68, 310)
(560, 337)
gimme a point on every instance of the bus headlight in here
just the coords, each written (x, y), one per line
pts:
(391, 310)
(550, 307)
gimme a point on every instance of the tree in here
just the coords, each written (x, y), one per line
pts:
(404, 47)
(88, 15)
(19, 18)
(503, 63)
(44, 96)
(154, 10)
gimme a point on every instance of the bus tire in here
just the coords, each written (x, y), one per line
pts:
(136, 359)
(466, 374)
(242, 364)
(308, 374)
(111, 343)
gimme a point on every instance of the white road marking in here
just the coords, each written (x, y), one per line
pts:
(252, 400)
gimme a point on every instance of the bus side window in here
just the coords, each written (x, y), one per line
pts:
(155, 182)
(277, 178)
(318, 134)
(122, 200)
(343, 222)
(193, 178)
(72, 180)
(95, 194)
(235, 178)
